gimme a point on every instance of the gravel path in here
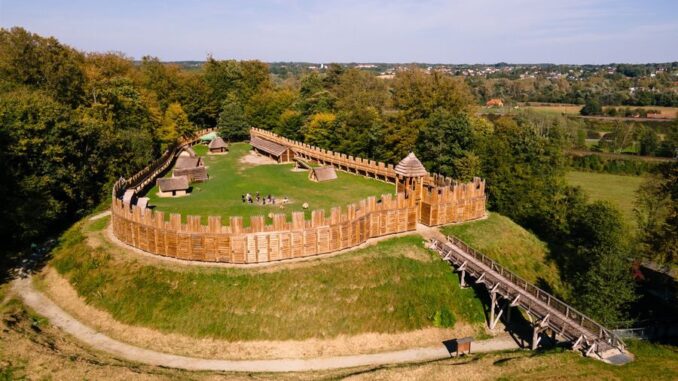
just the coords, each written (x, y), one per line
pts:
(58, 317)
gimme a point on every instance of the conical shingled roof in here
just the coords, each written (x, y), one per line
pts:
(410, 166)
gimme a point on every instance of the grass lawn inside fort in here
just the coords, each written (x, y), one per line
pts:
(230, 178)
(394, 286)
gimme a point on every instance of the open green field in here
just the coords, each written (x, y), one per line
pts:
(230, 178)
(396, 285)
(517, 249)
(618, 190)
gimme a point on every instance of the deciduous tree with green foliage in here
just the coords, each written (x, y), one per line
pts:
(232, 122)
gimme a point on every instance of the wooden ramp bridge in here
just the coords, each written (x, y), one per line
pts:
(546, 312)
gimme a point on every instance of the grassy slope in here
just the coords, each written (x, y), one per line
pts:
(513, 247)
(394, 286)
(618, 190)
(229, 179)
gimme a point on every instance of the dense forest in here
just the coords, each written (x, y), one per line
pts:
(71, 123)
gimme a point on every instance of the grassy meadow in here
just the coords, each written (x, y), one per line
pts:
(513, 247)
(618, 190)
(396, 285)
(230, 178)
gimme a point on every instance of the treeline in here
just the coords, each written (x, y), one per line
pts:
(71, 123)
(608, 89)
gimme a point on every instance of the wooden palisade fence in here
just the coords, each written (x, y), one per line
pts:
(444, 201)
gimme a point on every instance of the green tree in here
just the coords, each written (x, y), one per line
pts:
(265, 108)
(290, 125)
(592, 107)
(444, 143)
(649, 142)
(656, 209)
(175, 124)
(320, 130)
(232, 122)
(604, 285)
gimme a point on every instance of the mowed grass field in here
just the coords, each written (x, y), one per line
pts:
(230, 178)
(618, 190)
(517, 249)
(394, 286)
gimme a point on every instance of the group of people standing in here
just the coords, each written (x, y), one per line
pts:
(260, 199)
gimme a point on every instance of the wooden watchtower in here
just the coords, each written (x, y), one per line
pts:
(410, 175)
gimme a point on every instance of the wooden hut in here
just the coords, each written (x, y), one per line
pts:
(277, 152)
(321, 174)
(191, 167)
(218, 145)
(173, 186)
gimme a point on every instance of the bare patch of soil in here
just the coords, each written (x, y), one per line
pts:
(253, 158)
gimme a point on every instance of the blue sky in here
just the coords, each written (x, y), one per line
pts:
(472, 31)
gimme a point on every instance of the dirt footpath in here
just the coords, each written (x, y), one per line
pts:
(61, 319)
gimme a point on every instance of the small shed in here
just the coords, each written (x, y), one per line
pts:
(278, 152)
(464, 346)
(321, 174)
(173, 186)
(218, 145)
(187, 152)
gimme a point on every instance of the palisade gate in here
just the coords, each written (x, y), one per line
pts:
(419, 197)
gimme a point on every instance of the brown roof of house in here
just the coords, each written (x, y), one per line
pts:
(193, 174)
(189, 151)
(268, 146)
(410, 166)
(184, 162)
(168, 184)
(217, 143)
(324, 173)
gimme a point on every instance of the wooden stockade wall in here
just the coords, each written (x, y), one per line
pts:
(343, 162)
(147, 230)
(453, 202)
(444, 201)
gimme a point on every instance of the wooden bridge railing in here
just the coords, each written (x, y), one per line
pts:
(561, 315)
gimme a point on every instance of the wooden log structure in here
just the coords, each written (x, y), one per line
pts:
(547, 311)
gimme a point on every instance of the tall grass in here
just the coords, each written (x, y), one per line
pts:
(513, 247)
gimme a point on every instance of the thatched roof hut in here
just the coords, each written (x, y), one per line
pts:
(322, 174)
(172, 186)
(217, 145)
(410, 166)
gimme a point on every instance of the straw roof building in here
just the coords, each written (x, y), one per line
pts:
(172, 186)
(218, 145)
(320, 174)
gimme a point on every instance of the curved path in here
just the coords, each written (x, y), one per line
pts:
(60, 318)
